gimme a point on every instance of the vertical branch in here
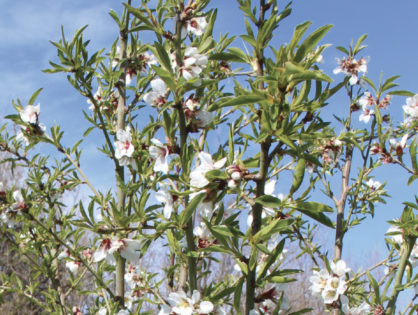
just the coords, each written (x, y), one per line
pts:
(407, 247)
(339, 229)
(189, 268)
(261, 179)
(120, 125)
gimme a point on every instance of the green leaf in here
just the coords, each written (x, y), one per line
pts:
(375, 286)
(342, 49)
(298, 33)
(298, 73)
(34, 96)
(298, 176)
(401, 93)
(389, 83)
(86, 133)
(413, 155)
(166, 77)
(114, 16)
(271, 258)
(162, 56)
(238, 100)
(237, 295)
(269, 201)
(250, 40)
(302, 311)
(275, 226)
(357, 47)
(370, 82)
(315, 211)
(412, 179)
(227, 230)
(216, 174)
(187, 213)
(310, 42)
(230, 57)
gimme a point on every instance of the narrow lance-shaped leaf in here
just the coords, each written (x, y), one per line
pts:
(315, 211)
(298, 176)
(310, 42)
(162, 56)
(275, 226)
(190, 209)
(34, 96)
(238, 100)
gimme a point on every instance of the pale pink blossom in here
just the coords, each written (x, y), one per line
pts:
(127, 248)
(163, 195)
(362, 309)
(351, 67)
(156, 97)
(373, 184)
(203, 118)
(193, 64)
(72, 266)
(103, 252)
(366, 100)
(196, 25)
(97, 97)
(30, 114)
(181, 304)
(124, 146)
(159, 153)
(366, 115)
(399, 146)
(339, 268)
(197, 176)
(411, 110)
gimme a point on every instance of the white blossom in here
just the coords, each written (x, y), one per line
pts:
(366, 115)
(334, 287)
(103, 252)
(362, 309)
(203, 118)
(127, 248)
(196, 26)
(72, 266)
(351, 67)
(411, 109)
(124, 146)
(339, 268)
(183, 305)
(397, 237)
(373, 184)
(156, 96)
(159, 153)
(163, 195)
(197, 176)
(193, 64)
(30, 114)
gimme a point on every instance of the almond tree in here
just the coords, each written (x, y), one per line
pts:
(196, 199)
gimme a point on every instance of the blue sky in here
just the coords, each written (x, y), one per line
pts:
(27, 26)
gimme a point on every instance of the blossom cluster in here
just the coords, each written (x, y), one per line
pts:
(198, 182)
(180, 303)
(330, 285)
(8, 214)
(367, 102)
